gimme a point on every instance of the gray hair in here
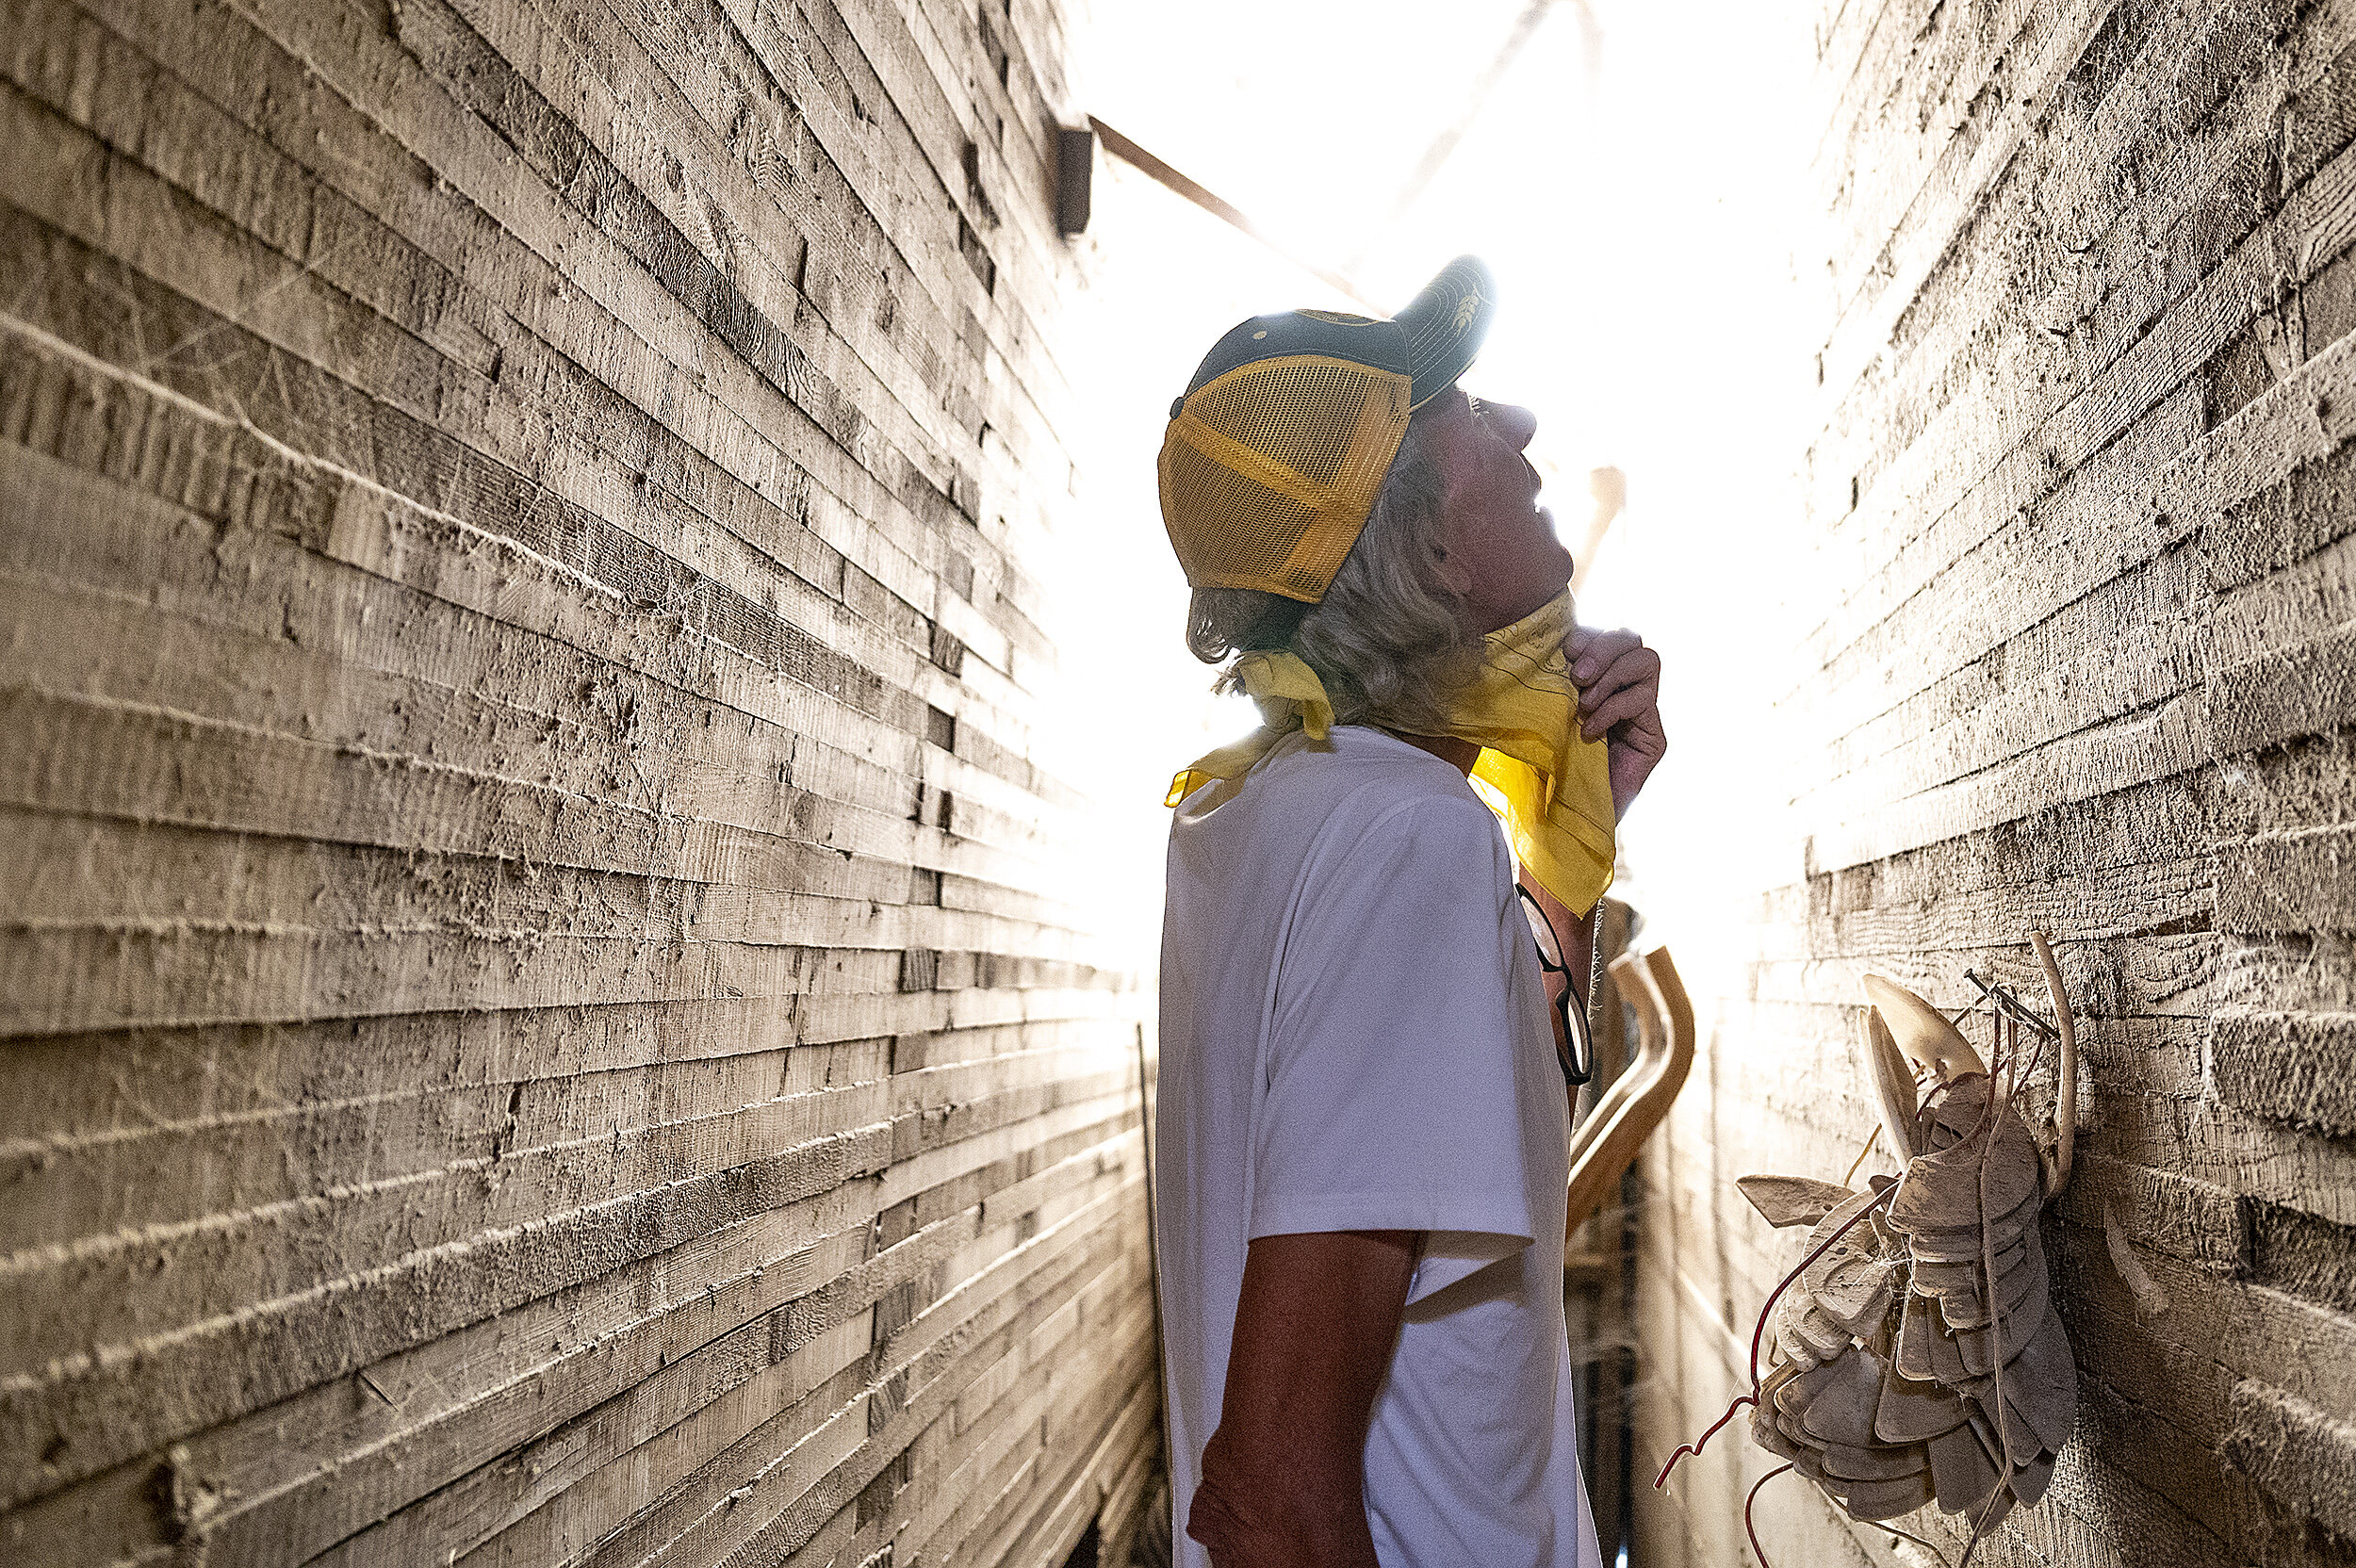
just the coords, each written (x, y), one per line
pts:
(1387, 640)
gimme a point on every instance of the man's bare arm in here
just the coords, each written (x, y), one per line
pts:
(1283, 1477)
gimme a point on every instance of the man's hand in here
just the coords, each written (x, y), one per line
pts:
(1283, 1478)
(1619, 701)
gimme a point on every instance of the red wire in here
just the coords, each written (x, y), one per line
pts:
(1695, 1447)
(1759, 1333)
(1757, 1550)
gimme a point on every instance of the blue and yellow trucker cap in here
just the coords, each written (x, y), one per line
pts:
(1277, 447)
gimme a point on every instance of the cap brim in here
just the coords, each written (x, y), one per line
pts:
(1445, 325)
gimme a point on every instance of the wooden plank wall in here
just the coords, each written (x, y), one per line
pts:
(2081, 522)
(547, 1014)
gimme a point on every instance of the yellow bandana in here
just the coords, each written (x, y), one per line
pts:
(1550, 788)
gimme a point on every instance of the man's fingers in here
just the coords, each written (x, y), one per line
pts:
(1604, 658)
(1640, 668)
(1627, 703)
(1582, 638)
(1627, 688)
(1593, 652)
(1629, 668)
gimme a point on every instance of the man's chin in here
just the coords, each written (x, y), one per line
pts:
(1544, 588)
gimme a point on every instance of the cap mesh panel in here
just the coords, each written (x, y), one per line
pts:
(1334, 425)
(1241, 529)
(1265, 413)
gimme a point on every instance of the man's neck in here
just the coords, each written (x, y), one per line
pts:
(1454, 750)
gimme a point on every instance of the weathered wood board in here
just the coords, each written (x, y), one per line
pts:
(549, 1015)
(2074, 657)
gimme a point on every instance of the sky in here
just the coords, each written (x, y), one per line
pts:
(1637, 179)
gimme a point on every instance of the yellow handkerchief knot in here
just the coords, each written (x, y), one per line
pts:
(1290, 696)
(1550, 788)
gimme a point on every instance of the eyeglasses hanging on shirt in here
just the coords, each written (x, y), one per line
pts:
(1575, 1047)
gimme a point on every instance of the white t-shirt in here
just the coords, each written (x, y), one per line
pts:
(1354, 1036)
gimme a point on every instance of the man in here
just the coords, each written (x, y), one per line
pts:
(1364, 1112)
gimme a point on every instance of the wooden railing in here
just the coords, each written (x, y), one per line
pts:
(1606, 1142)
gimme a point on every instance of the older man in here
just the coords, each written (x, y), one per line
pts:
(1364, 1105)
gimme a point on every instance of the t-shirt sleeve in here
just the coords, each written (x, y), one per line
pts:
(1396, 1058)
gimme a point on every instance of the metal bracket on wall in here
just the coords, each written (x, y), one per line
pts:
(1076, 172)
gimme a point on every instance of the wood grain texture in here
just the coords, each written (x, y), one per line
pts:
(2077, 659)
(552, 1016)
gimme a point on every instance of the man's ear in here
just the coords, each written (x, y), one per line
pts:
(1453, 573)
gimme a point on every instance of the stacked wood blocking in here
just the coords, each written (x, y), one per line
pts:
(2072, 653)
(548, 1016)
